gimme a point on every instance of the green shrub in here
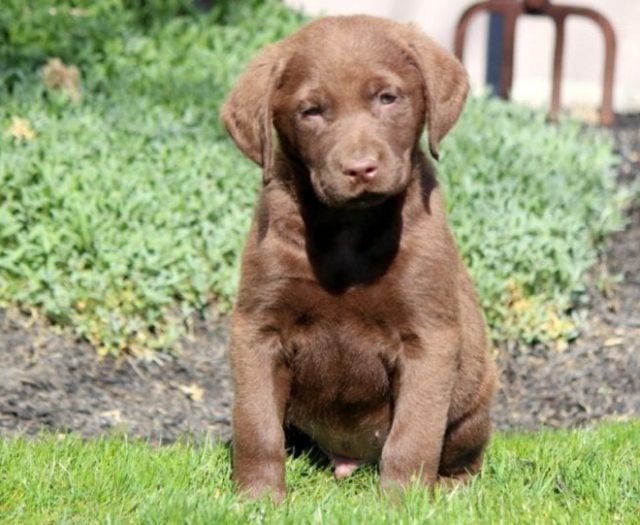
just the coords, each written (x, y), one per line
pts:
(529, 204)
(127, 210)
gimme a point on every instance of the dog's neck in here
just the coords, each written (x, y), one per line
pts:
(353, 247)
(347, 247)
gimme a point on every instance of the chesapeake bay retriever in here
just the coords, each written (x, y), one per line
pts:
(356, 321)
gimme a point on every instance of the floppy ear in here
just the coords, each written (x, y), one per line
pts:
(446, 85)
(247, 113)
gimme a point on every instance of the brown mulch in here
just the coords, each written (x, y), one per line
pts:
(49, 381)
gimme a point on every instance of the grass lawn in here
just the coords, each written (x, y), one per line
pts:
(583, 476)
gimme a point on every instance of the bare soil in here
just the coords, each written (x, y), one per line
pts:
(49, 381)
(52, 382)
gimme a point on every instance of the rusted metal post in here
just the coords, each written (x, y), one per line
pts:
(554, 110)
(508, 44)
(511, 10)
(536, 5)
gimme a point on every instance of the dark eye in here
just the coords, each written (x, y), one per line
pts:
(387, 98)
(312, 111)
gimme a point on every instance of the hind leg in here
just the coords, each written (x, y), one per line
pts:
(463, 448)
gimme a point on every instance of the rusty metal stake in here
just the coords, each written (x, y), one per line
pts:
(511, 10)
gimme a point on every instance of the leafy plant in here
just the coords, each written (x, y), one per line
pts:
(122, 214)
(530, 204)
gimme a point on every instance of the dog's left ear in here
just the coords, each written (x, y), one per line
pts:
(247, 114)
(445, 81)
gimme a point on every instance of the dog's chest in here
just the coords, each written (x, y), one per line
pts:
(342, 359)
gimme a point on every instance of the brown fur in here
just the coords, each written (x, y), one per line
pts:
(356, 321)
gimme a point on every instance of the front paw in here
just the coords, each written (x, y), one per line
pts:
(261, 480)
(398, 472)
(257, 489)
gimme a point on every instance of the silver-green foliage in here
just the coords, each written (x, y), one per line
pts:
(126, 211)
(530, 204)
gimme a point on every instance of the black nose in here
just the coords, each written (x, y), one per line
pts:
(364, 169)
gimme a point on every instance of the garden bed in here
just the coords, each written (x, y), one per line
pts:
(50, 381)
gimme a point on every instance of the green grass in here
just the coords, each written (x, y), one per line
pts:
(584, 476)
(126, 211)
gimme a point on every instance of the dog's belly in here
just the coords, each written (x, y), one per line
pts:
(341, 386)
(361, 439)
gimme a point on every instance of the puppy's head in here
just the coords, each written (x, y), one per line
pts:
(348, 98)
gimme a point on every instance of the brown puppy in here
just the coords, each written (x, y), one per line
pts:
(356, 321)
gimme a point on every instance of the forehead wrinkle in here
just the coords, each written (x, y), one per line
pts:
(309, 91)
(336, 48)
(343, 67)
(345, 80)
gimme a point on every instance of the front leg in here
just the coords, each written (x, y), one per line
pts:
(423, 384)
(261, 388)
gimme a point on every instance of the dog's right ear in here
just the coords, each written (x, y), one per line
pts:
(247, 114)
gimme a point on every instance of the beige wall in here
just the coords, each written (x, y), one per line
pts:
(584, 48)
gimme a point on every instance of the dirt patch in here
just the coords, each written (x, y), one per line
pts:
(49, 381)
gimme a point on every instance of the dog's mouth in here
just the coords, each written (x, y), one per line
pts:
(337, 191)
(366, 199)
(359, 200)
